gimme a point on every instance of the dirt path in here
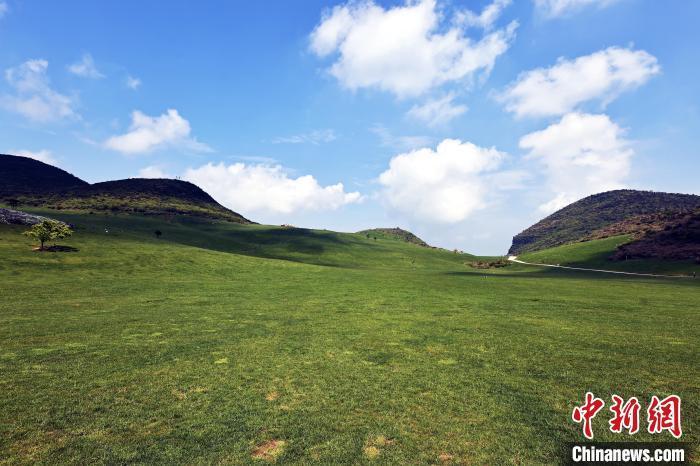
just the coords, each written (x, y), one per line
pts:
(515, 259)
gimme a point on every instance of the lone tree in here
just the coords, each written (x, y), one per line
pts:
(48, 230)
(13, 203)
(158, 233)
(61, 231)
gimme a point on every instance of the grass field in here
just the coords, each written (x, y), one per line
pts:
(229, 344)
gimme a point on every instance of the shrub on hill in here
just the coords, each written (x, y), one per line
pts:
(494, 264)
(678, 239)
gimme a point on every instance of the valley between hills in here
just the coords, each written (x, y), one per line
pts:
(224, 341)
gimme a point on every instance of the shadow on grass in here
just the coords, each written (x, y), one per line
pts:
(292, 244)
(57, 248)
(299, 245)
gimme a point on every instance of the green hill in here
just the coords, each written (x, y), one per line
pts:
(28, 182)
(589, 217)
(394, 233)
(608, 254)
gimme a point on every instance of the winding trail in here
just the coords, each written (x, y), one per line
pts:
(515, 259)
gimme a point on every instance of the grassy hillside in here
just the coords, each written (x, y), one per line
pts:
(597, 254)
(394, 233)
(582, 219)
(219, 343)
(321, 247)
(27, 182)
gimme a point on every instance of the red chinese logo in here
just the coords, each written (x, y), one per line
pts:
(587, 412)
(626, 415)
(665, 415)
(662, 415)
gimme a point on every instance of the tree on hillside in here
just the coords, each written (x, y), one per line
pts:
(48, 230)
(158, 233)
(13, 203)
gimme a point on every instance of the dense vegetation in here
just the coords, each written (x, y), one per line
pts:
(218, 343)
(677, 239)
(396, 233)
(27, 182)
(582, 219)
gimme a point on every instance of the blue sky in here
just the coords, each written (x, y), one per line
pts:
(463, 121)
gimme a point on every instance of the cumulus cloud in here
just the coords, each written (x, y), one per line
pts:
(148, 133)
(563, 87)
(486, 18)
(436, 112)
(406, 50)
(314, 137)
(251, 189)
(582, 154)
(444, 185)
(555, 8)
(133, 83)
(153, 171)
(34, 98)
(41, 155)
(85, 68)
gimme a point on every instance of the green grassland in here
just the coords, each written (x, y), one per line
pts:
(205, 345)
(595, 254)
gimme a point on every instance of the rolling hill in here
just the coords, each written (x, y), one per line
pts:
(25, 181)
(394, 233)
(22, 176)
(603, 215)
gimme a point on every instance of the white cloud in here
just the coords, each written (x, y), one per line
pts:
(314, 137)
(406, 50)
(602, 75)
(443, 185)
(34, 98)
(251, 189)
(133, 83)
(148, 133)
(486, 18)
(437, 112)
(582, 154)
(85, 68)
(41, 155)
(555, 8)
(3, 9)
(153, 171)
